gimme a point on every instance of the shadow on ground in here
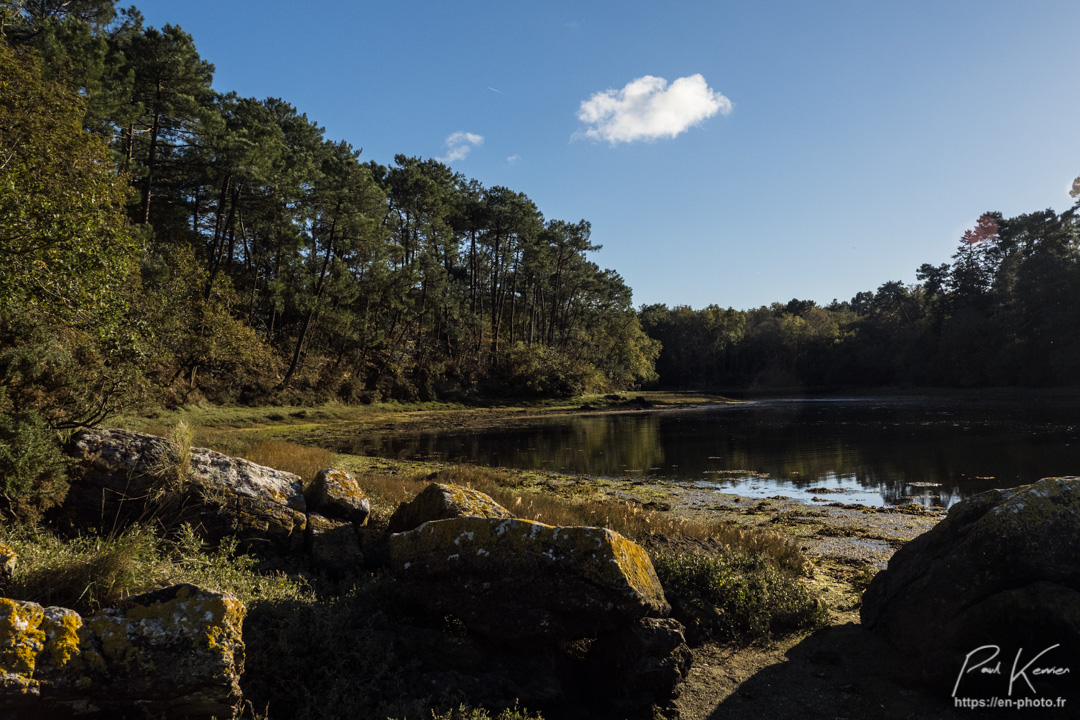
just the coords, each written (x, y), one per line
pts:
(842, 671)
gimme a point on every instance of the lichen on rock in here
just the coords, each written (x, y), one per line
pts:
(510, 578)
(441, 501)
(334, 493)
(178, 649)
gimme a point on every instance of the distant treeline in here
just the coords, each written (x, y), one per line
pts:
(1006, 311)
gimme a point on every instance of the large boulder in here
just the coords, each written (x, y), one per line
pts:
(335, 494)
(440, 501)
(172, 653)
(125, 474)
(510, 579)
(998, 580)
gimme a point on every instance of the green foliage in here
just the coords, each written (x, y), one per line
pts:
(66, 247)
(536, 370)
(733, 596)
(69, 352)
(32, 468)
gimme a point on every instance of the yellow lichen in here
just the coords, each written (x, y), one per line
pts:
(21, 637)
(62, 638)
(8, 560)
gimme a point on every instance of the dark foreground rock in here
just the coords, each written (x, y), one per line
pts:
(993, 585)
(121, 475)
(333, 546)
(568, 620)
(511, 579)
(174, 653)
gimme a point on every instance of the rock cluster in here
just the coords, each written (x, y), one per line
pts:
(122, 475)
(1000, 571)
(549, 614)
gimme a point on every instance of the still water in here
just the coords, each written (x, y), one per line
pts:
(876, 451)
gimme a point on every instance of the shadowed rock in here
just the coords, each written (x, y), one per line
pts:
(1000, 570)
(509, 579)
(333, 545)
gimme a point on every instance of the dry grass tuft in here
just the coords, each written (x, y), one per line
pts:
(298, 459)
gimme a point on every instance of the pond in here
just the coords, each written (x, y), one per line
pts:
(874, 451)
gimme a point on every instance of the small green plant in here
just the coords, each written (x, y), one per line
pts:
(33, 474)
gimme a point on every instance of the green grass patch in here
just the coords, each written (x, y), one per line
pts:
(92, 572)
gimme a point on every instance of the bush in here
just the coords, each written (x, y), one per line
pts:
(32, 469)
(732, 596)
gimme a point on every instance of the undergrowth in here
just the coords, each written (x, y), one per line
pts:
(92, 572)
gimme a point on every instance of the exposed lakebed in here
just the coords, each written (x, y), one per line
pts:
(871, 451)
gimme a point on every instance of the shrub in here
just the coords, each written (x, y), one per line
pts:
(732, 596)
(33, 472)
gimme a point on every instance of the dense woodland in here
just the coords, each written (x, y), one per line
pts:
(165, 242)
(1006, 311)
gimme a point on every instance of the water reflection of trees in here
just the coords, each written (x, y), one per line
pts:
(612, 445)
(903, 453)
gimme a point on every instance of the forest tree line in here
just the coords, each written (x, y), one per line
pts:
(1004, 312)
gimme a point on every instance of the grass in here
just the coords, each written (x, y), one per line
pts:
(298, 459)
(532, 501)
(91, 572)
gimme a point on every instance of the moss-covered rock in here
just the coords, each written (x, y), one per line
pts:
(1000, 570)
(439, 501)
(335, 494)
(509, 579)
(175, 652)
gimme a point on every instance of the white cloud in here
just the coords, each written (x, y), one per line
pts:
(647, 109)
(514, 159)
(459, 145)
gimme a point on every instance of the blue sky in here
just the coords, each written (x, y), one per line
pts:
(838, 145)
